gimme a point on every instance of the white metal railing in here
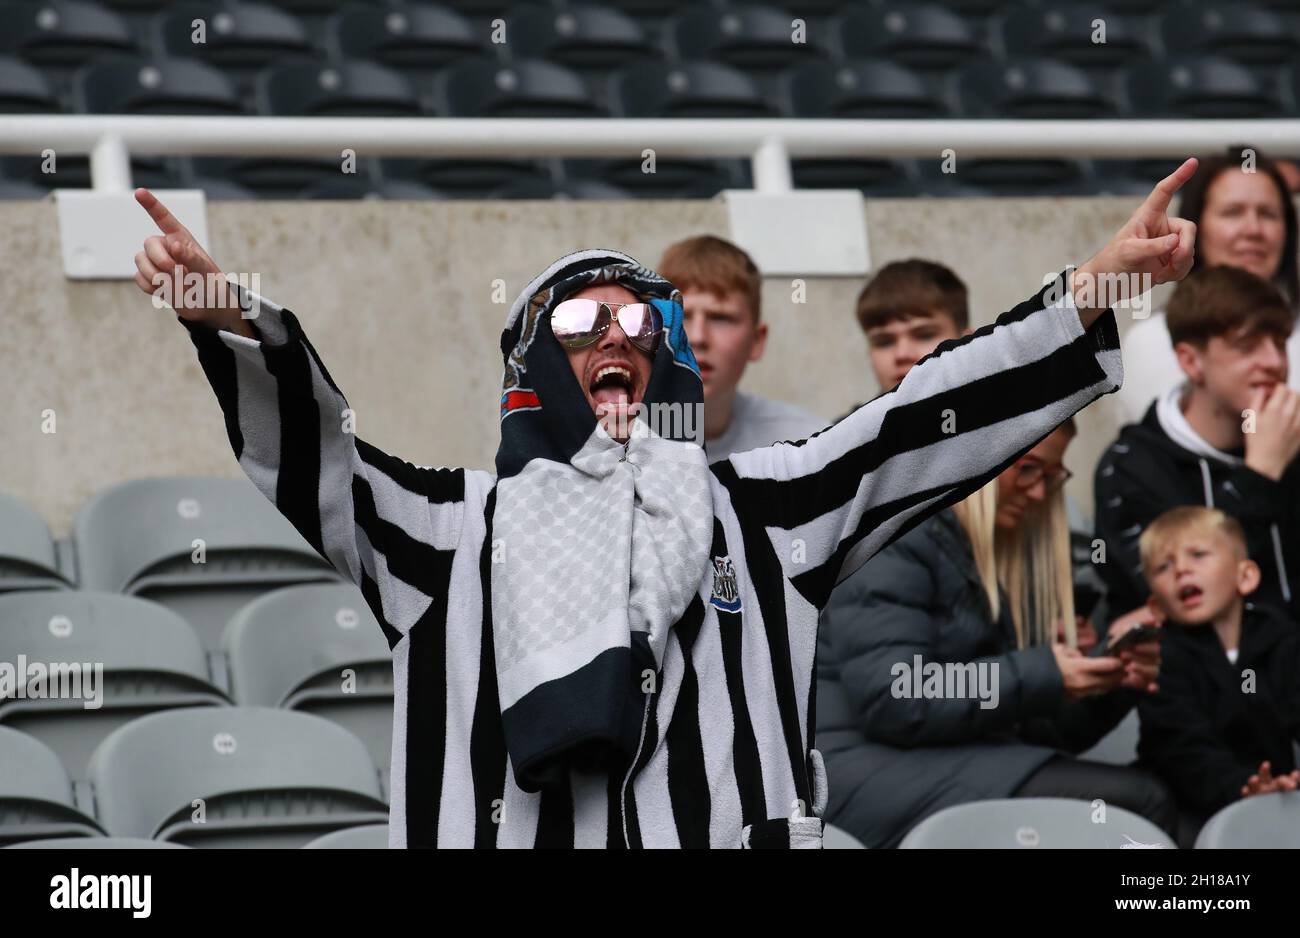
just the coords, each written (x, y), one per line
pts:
(110, 140)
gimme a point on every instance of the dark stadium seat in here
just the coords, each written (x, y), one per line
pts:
(365, 186)
(920, 35)
(580, 189)
(465, 178)
(528, 88)
(263, 778)
(239, 38)
(1065, 32)
(24, 89)
(881, 178)
(1203, 87)
(747, 37)
(1249, 34)
(414, 37)
(268, 177)
(36, 796)
(153, 86)
(1042, 176)
(862, 88)
(218, 189)
(693, 89)
(583, 38)
(73, 172)
(677, 178)
(335, 89)
(151, 660)
(140, 537)
(1031, 88)
(62, 32)
(28, 557)
(291, 647)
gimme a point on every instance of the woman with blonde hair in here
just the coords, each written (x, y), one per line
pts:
(949, 669)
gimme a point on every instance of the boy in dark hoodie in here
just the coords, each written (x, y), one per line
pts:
(1222, 724)
(1227, 439)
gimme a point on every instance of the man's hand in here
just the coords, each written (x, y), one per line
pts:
(168, 265)
(1265, 783)
(1141, 662)
(1276, 439)
(1087, 677)
(1152, 248)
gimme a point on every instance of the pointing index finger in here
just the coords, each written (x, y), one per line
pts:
(1158, 201)
(162, 216)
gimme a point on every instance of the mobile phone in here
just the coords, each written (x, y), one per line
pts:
(1134, 636)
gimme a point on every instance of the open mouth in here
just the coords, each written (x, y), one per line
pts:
(1189, 595)
(611, 385)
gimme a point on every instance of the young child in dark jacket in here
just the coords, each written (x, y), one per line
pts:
(1222, 723)
(1227, 438)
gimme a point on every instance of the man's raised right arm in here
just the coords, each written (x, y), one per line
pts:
(377, 519)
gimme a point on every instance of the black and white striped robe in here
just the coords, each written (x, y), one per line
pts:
(727, 754)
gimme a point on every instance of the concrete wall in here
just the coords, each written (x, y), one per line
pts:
(398, 300)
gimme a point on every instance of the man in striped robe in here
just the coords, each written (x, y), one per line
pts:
(607, 642)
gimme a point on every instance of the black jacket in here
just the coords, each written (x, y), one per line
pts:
(1144, 473)
(891, 762)
(1201, 731)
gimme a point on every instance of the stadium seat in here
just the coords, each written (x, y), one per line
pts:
(140, 538)
(1045, 823)
(234, 777)
(583, 38)
(157, 86)
(527, 88)
(359, 186)
(24, 89)
(28, 558)
(920, 35)
(873, 177)
(96, 843)
(36, 797)
(420, 38)
(151, 660)
(62, 32)
(1199, 88)
(677, 178)
(1260, 822)
(1249, 34)
(337, 89)
(369, 837)
(73, 172)
(1119, 746)
(218, 189)
(694, 89)
(863, 88)
(580, 189)
(291, 647)
(1030, 89)
(1065, 32)
(239, 38)
(465, 178)
(1007, 177)
(748, 37)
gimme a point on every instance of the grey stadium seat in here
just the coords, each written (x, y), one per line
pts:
(1204, 87)
(414, 37)
(290, 647)
(153, 86)
(36, 797)
(833, 838)
(692, 89)
(24, 90)
(1044, 823)
(1261, 821)
(138, 538)
(526, 88)
(96, 843)
(28, 558)
(151, 659)
(62, 32)
(369, 837)
(1119, 746)
(263, 777)
(335, 89)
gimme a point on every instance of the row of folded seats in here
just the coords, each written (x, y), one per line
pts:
(185, 647)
